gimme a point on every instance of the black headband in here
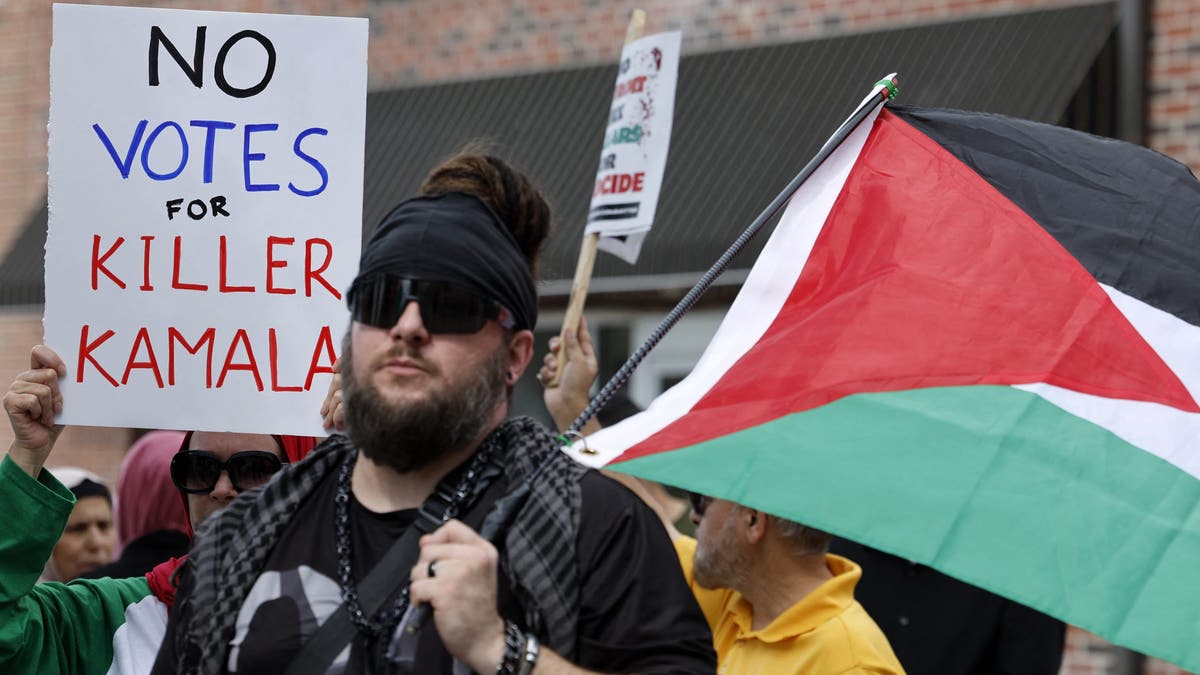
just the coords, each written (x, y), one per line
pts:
(454, 238)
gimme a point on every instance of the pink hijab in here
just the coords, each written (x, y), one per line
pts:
(147, 500)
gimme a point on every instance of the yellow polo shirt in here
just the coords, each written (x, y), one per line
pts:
(827, 632)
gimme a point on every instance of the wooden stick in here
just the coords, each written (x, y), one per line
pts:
(589, 246)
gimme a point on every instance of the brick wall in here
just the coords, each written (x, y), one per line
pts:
(24, 108)
(417, 41)
(1174, 65)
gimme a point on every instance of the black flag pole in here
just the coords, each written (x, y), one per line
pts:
(883, 91)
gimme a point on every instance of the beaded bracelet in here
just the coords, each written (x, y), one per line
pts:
(530, 657)
(514, 640)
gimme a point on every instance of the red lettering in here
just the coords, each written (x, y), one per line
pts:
(325, 339)
(174, 336)
(251, 364)
(272, 263)
(226, 288)
(143, 337)
(85, 354)
(175, 282)
(620, 182)
(631, 86)
(275, 364)
(310, 273)
(146, 239)
(99, 260)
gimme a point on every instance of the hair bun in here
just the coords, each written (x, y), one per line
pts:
(509, 192)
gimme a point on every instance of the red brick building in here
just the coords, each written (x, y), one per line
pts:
(1154, 48)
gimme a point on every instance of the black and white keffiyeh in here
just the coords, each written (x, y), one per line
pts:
(538, 555)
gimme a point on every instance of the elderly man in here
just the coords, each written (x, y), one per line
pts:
(443, 309)
(776, 600)
(95, 626)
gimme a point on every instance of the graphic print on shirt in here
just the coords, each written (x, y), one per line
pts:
(300, 598)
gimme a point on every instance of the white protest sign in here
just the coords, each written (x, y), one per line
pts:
(205, 214)
(634, 156)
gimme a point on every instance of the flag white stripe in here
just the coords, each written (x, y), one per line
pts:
(1168, 433)
(762, 297)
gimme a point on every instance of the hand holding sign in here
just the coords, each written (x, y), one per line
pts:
(634, 156)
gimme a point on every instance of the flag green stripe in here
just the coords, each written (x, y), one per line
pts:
(990, 484)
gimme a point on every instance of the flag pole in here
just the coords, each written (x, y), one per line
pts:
(883, 91)
(590, 244)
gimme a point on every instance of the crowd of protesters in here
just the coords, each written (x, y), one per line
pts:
(366, 552)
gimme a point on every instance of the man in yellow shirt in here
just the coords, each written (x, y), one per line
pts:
(777, 602)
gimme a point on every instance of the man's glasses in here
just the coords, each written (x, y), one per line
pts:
(699, 503)
(197, 471)
(380, 300)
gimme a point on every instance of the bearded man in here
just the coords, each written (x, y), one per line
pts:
(443, 309)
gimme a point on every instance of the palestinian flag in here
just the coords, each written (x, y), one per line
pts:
(974, 342)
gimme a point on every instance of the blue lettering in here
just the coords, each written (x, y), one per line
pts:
(210, 136)
(122, 165)
(150, 143)
(248, 157)
(311, 160)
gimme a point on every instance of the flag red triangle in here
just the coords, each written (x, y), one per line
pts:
(924, 275)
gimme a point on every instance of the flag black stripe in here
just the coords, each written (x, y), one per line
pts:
(1130, 215)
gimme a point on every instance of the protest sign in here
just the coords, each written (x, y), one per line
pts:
(634, 155)
(205, 214)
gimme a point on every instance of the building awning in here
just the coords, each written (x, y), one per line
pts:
(746, 120)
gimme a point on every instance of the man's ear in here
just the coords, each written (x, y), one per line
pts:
(756, 525)
(520, 353)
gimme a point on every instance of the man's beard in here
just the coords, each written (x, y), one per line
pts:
(719, 561)
(414, 435)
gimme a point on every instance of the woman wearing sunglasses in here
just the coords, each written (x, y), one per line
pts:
(98, 626)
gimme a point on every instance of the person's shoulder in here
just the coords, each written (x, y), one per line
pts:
(616, 522)
(603, 494)
(866, 644)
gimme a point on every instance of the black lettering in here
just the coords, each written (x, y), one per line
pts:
(218, 206)
(192, 211)
(194, 72)
(219, 69)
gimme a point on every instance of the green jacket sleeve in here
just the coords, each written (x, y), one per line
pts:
(51, 628)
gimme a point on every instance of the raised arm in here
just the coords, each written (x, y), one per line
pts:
(31, 402)
(49, 627)
(567, 399)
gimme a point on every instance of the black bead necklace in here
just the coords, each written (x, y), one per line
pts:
(386, 619)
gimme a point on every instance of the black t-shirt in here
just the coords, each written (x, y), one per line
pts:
(636, 612)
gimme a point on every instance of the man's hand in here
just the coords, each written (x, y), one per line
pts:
(333, 414)
(462, 594)
(32, 401)
(569, 397)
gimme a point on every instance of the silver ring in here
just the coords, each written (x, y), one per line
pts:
(431, 570)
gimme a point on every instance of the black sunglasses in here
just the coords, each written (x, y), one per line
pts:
(379, 301)
(197, 471)
(700, 503)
